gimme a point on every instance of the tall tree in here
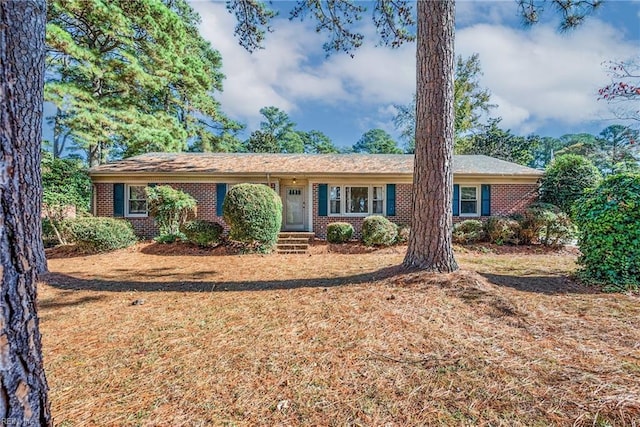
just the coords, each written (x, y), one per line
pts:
(376, 141)
(431, 224)
(496, 142)
(23, 385)
(470, 101)
(316, 142)
(278, 124)
(131, 74)
(623, 93)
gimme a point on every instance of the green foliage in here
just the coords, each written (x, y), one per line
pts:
(501, 230)
(378, 231)
(565, 180)
(339, 232)
(254, 214)
(65, 182)
(493, 141)
(468, 231)
(202, 233)
(316, 142)
(96, 234)
(376, 141)
(171, 209)
(608, 220)
(403, 233)
(131, 76)
(546, 224)
(470, 102)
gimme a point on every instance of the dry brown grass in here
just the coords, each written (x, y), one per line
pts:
(335, 339)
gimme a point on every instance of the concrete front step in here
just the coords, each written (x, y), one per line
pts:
(293, 242)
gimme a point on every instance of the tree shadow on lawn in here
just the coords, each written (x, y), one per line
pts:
(550, 285)
(67, 282)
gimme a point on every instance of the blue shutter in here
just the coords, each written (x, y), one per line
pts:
(485, 210)
(456, 200)
(221, 191)
(322, 199)
(118, 199)
(391, 200)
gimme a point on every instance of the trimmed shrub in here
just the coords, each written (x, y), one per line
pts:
(170, 208)
(501, 230)
(254, 215)
(608, 220)
(403, 233)
(378, 231)
(468, 231)
(565, 180)
(202, 233)
(546, 224)
(339, 232)
(97, 234)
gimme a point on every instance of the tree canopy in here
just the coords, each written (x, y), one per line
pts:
(376, 141)
(130, 77)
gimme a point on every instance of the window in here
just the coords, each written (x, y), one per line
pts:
(334, 200)
(136, 200)
(359, 200)
(468, 201)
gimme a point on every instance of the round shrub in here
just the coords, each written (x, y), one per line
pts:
(546, 224)
(254, 214)
(202, 233)
(565, 180)
(339, 232)
(378, 231)
(608, 220)
(501, 230)
(170, 208)
(403, 233)
(97, 234)
(468, 231)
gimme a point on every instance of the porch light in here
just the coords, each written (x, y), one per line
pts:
(294, 179)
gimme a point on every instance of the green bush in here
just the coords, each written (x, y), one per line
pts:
(378, 231)
(170, 209)
(546, 224)
(565, 180)
(468, 231)
(501, 230)
(97, 234)
(403, 233)
(339, 232)
(254, 214)
(202, 233)
(608, 220)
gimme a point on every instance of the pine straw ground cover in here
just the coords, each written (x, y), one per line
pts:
(142, 337)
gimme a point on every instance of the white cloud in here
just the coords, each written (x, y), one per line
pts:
(540, 75)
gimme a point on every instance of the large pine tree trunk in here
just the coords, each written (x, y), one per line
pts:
(23, 386)
(431, 223)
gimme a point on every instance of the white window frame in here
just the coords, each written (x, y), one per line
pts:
(343, 200)
(478, 200)
(127, 199)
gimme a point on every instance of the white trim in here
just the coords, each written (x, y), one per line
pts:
(478, 200)
(343, 199)
(127, 214)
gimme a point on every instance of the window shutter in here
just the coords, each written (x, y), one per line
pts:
(456, 200)
(485, 209)
(391, 200)
(322, 199)
(118, 199)
(221, 192)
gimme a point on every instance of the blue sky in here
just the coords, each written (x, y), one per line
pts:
(543, 81)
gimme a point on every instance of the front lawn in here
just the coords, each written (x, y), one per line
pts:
(144, 337)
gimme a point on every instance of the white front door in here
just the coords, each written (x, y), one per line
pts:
(294, 208)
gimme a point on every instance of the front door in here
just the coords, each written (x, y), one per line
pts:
(294, 208)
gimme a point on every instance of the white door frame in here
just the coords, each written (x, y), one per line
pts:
(303, 215)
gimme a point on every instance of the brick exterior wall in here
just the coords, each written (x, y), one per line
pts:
(204, 193)
(506, 199)
(403, 213)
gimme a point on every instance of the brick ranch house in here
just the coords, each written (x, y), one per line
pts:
(316, 189)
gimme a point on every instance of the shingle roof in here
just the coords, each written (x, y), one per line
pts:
(307, 164)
